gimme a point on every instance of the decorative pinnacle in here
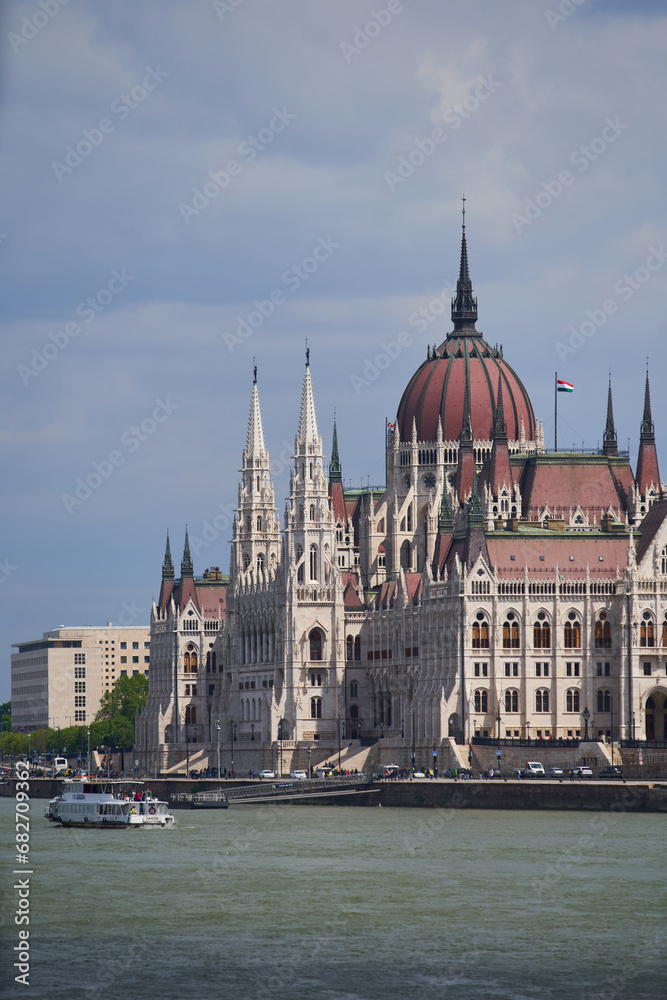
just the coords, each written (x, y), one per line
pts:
(609, 441)
(167, 565)
(500, 427)
(335, 471)
(186, 562)
(647, 428)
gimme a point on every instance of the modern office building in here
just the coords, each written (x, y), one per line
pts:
(59, 680)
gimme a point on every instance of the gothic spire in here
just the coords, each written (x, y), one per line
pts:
(186, 562)
(445, 522)
(500, 427)
(609, 441)
(475, 515)
(464, 306)
(335, 471)
(466, 438)
(647, 430)
(255, 440)
(308, 433)
(167, 565)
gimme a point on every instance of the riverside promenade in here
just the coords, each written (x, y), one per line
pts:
(585, 796)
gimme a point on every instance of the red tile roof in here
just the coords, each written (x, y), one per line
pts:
(562, 482)
(556, 549)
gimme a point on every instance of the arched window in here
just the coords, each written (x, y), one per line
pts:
(572, 700)
(405, 556)
(481, 701)
(186, 663)
(647, 631)
(542, 635)
(410, 518)
(480, 633)
(511, 701)
(190, 715)
(246, 561)
(604, 701)
(664, 560)
(542, 701)
(259, 524)
(572, 633)
(247, 524)
(354, 711)
(299, 572)
(312, 512)
(357, 647)
(316, 708)
(664, 632)
(315, 645)
(260, 563)
(602, 632)
(354, 689)
(349, 647)
(510, 634)
(313, 562)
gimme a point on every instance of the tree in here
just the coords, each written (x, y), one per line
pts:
(128, 696)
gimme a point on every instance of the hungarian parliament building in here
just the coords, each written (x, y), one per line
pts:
(490, 589)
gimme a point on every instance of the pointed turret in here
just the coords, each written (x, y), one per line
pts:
(610, 443)
(186, 562)
(335, 471)
(500, 472)
(464, 306)
(308, 434)
(255, 446)
(475, 516)
(167, 565)
(445, 521)
(466, 463)
(647, 461)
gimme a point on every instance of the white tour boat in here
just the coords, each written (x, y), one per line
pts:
(99, 802)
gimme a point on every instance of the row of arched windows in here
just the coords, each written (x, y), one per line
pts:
(572, 701)
(542, 633)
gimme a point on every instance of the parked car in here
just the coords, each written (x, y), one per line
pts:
(554, 772)
(611, 771)
(581, 772)
(533, 769)
(418, 774)
(298, 775)
(267, 774)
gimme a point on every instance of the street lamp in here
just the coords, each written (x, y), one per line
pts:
(339, 728)
(611, 725)
(586, 716)
(499, 752)
(217, 727)
(381, 729)
(309, 751)
(413, 741)
(233, 725)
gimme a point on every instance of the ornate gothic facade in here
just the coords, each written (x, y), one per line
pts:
(491, 588)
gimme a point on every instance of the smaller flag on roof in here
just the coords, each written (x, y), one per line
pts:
(564, 386)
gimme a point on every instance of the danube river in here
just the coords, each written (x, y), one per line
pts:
(346, 903)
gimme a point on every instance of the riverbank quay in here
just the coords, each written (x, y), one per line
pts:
(584, 796)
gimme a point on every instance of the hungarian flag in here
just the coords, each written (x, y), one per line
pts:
(564, 386)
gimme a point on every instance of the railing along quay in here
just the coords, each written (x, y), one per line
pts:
(267, 790)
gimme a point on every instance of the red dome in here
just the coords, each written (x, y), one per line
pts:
(437, 389)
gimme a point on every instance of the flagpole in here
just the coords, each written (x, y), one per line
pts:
(555, 411)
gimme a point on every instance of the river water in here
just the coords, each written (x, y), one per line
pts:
(289, 902)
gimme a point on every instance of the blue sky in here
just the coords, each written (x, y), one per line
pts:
(114, 116)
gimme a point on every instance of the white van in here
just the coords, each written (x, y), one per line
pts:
(533, 768)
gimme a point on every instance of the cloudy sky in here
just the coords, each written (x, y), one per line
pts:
(189, 185)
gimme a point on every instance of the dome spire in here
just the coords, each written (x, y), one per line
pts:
(167, 565)
(464, 306)
(186, 562)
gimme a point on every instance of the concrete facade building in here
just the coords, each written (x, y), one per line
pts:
(490, 590)
(59, 680)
